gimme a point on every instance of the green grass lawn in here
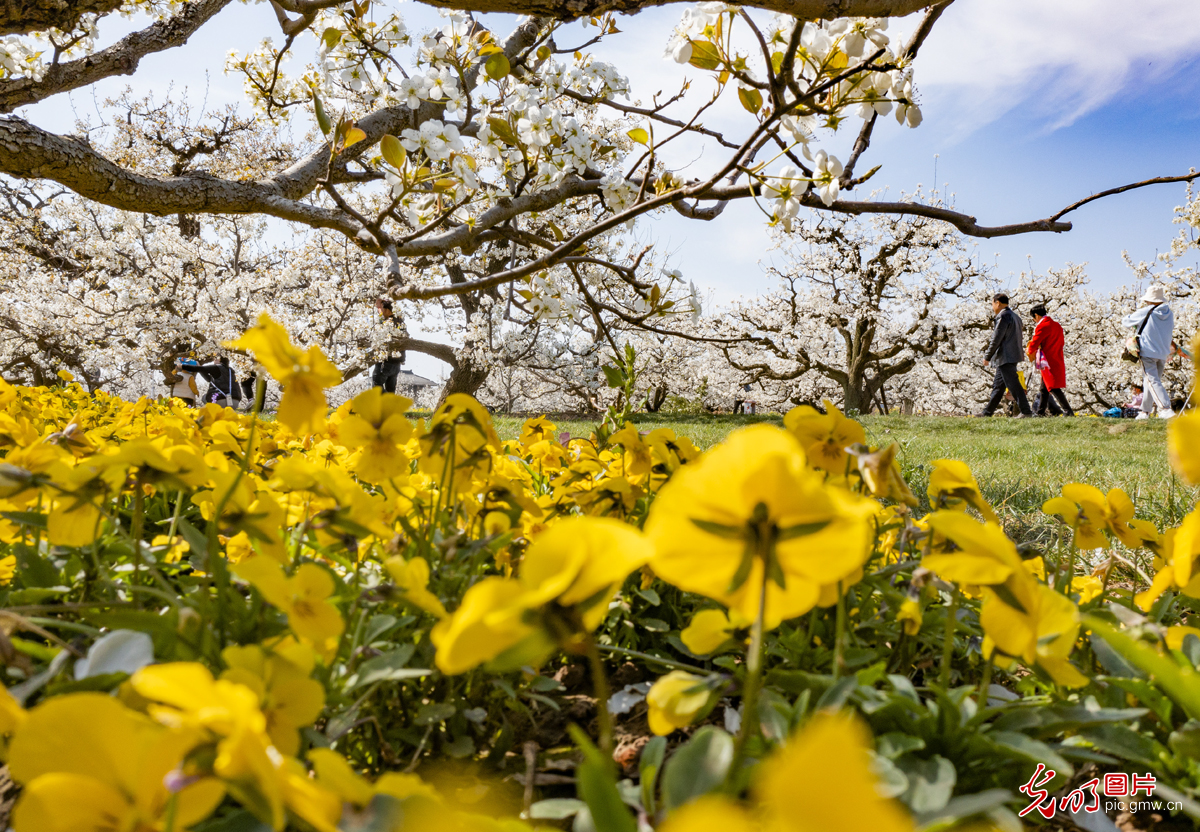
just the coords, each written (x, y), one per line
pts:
(1019, 463)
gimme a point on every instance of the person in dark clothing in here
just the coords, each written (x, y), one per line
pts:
(385, 372)
(1006, 350)
(223, 388)
(1045, 350)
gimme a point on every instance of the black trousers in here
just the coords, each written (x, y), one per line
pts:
(1048, 398)
(385, 373)
(1006, 377)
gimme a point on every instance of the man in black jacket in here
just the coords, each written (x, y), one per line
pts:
(1007, 350)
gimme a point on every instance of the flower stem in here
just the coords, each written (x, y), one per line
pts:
(839, 634)
(135, 531)
(948, 640)
(601, 691)
(985, 683)
(750, 692)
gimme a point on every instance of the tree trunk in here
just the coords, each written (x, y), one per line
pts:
(464, 378)
(857, 398)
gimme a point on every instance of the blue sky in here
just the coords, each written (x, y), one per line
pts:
(1028, 106)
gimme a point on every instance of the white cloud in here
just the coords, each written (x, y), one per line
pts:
(1060, 59)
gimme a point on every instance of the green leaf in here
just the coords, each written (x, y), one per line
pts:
(596, 779)
(393, 152)
(648, 767)
(503, 131)
(35, 570)
(434, 712)
(557, 808)
(614, 377)
(894, 743)
(322, 119)
(650, 596)
(34, 519)
(930, 783)
(497, 66)
(704, 55)
(1033, 750)
(639, 135)
(751, 99)
(390, 667)
(1180, 683)
(697, 767)
(331, 37)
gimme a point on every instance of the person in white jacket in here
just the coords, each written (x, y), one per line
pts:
(1154, 348)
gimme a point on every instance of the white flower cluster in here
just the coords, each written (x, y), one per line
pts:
(19, 60)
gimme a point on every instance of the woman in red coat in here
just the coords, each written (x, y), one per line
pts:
(1046, 351)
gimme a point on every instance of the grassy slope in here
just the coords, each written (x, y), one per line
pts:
(1019, 463)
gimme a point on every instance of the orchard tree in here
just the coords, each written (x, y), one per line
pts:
(502, 156)
(860, 305)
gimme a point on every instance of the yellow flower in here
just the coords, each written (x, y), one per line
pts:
(175, 547)
(488, 622)
(303, 375)
(412, 579)
(537, 430)
(1177, 555)
(953, 486)
(830, 759)
(668, 453)
(1089, 587)
(637, 460)
(12, 717)
(824, 436)
(1183, 446)
(1090, 512)
(1030, 621)
(984, 553)
(910, 616)
(186, 696)
(89, 764)
(304, 598)
(336, 775)
(710, 813)
(380, 427)
(569, 575)
(457, 446)
(751, 506)
(677, 700)
(881, 474)
(709, 630)
(1175, 635)
(287, 697)
(8, 568)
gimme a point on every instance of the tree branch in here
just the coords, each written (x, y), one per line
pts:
(121, 58)
(803, 9)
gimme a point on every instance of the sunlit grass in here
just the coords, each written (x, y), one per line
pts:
(1019, 463)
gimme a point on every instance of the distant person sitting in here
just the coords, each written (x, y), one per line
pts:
(223, 389)
(1134, 406)
(1130, 409)
(1005, 349)
(384, 373)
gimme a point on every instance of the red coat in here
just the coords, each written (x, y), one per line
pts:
(1048, 337)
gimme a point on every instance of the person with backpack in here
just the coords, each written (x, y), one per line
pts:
(184, 386)
(1045, 350)
(1151, 347)
(223, 389)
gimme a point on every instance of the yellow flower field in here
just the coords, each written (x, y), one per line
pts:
(359, 621)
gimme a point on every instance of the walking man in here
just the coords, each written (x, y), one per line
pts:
(1155, 323)
(1045, 350)
(1005, 350)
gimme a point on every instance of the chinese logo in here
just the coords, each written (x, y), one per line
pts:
(1086, 797)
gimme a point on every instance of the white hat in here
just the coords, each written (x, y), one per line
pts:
(1155, 294)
